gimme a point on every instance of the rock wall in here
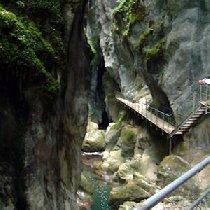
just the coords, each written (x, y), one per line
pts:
(43, 106)
(157, 50)
(164, 47)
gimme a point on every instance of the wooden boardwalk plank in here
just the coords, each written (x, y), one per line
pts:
(141, 108)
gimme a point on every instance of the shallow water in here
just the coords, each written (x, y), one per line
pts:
(100, 180)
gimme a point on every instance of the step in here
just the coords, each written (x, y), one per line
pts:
(194, 117)
(179, 133)
(190, 121)
(185, 126)
(198, 115)
(200, 111)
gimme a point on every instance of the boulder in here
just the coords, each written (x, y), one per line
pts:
(136, 188)
(94, 141)
(112, 161)
(173, 167)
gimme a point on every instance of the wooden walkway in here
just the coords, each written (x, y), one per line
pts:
(163, 123)
(141, 108)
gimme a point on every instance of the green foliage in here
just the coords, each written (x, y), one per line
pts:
(91, 42)
(127, 134)
(22, 46)
(50, 8)
(119, 122)
(152, 30)
(155, 51)
(20, 4)
(127, 13)
(143, 38)
(91, 45)
(127, 142)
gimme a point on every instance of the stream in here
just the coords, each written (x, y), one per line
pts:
(101, 183)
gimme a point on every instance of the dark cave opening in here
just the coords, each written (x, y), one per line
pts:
(99, 112)
(105, 121)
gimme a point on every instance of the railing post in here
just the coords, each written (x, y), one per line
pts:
(163, 120)
(194, 95)
(200, 92)
(156, 113)
(170, 145)
(146, 107)
(206, 98)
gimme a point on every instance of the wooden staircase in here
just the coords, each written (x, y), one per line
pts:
(187, 124)
(162, 122)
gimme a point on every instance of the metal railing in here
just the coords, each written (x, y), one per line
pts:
(153, 115)
(197, 94)
(202, 201)
(152, 201)
(162, 115)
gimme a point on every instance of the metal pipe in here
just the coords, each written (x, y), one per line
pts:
(152, 201)
(199, 199)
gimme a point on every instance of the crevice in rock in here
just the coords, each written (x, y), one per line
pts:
(104, 122)
(98, 107)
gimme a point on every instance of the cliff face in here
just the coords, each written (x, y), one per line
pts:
(156, 50)
(43, 107)
(165, 43)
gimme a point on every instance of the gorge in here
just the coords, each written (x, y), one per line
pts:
(63, 63)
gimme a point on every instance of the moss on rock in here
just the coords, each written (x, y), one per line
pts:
(23, 47)
(173, 167)
(94, 141)
(155, 51)
(127, 13)
(127, 142)
(135, 189)
(86, 183)
(112, 161)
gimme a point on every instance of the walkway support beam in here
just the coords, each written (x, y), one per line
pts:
(152, 201)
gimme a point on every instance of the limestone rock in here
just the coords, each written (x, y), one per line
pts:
(127, 142)
(137, 187)
(173, 167)
(86, 184)
(129, 205)
(84, 201)
(94, 141)
(111, 160)
(112, 136)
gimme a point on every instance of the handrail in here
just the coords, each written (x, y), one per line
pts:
(199, 200)
(198, 94)
(152, 201)
(156, 111)
(183, 121)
